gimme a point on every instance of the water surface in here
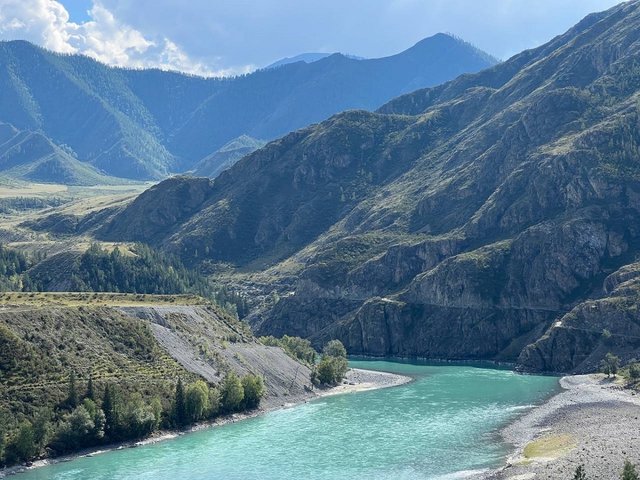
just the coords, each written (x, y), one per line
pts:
(444, 422)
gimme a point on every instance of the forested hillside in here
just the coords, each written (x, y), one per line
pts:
(149, 123)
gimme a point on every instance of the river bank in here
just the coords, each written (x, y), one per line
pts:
(593, 422)
(356, 380)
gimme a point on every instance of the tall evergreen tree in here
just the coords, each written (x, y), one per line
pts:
(110, 413)
(179, 406)
(72, 396)
(90, 392)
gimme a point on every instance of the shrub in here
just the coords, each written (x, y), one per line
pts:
(629, 471)
(610, 364)
(253, 389)
(329, 371)
(580, 473)
(333, 366)
(197, 401)
(335, 348)
(232, 393)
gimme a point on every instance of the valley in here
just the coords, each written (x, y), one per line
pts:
(179, 252)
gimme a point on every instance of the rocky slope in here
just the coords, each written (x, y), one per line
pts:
(146, 124)
(131, 340)
(461, 221)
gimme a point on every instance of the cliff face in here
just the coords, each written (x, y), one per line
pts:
(461, 221)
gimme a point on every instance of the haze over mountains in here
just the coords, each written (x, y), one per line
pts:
(492, 217)
(147, 124)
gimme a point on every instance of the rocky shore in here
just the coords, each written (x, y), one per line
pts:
(594, 422)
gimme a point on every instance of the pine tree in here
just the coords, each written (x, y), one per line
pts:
(72, 397)
(110, 412)
(90, 392)
(179, 407)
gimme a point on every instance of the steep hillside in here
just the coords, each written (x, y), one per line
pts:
(226, 156)
(30, 156)
(456, 222)
(135, 345)
(147, 124)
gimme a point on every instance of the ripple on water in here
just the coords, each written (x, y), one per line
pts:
(416, 431)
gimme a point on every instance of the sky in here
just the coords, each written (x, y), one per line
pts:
(230, 37)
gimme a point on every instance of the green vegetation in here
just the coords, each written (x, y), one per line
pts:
(580, 473)
(121, 416)
(333, 365)
(138, 124)
(13, 266)
(610, 365)
(297, 348)
(552, 446)
(253, 391)
(143, 270)
(629, 471)
(106, 379)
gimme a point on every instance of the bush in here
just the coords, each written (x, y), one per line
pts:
(253, 388)
(329, 371)
(335, 348)
(610, 364)
(215, 402)
(634, 371)
(78, 429)
(139, 419)
(332, 367)
(232, 393)
(296, 347)
(23, 446)
(197, 401)
(629, 472)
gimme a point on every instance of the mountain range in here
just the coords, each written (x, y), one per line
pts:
(495, 216)
(147, 124)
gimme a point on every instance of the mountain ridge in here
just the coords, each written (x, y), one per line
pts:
(147, 124)
(461, 221)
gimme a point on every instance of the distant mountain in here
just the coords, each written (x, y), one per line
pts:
(147, 124)
(31, 156)
(306, 58)
(496, 216)
(225, 157)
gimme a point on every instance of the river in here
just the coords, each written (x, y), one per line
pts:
(444, 424)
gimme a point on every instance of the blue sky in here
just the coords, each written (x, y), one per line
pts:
(223, 37)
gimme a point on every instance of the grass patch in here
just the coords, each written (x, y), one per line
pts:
(101, 299)
(553, 446)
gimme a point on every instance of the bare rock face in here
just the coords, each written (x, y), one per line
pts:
(578, 340)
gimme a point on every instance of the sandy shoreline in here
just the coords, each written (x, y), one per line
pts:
(593, 422)
(357, 380)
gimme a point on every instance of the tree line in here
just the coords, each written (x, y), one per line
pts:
(108, 414)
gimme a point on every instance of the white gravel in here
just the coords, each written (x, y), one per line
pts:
(600, 417)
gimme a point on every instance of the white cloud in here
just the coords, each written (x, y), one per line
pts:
(103, 37)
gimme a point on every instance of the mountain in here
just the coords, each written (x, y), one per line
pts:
(31, 156)
(226, 156)
(306, 58)
(146, 124)
(303, 57)
(492, 217)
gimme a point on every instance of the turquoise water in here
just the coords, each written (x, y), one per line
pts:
(446, 421)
